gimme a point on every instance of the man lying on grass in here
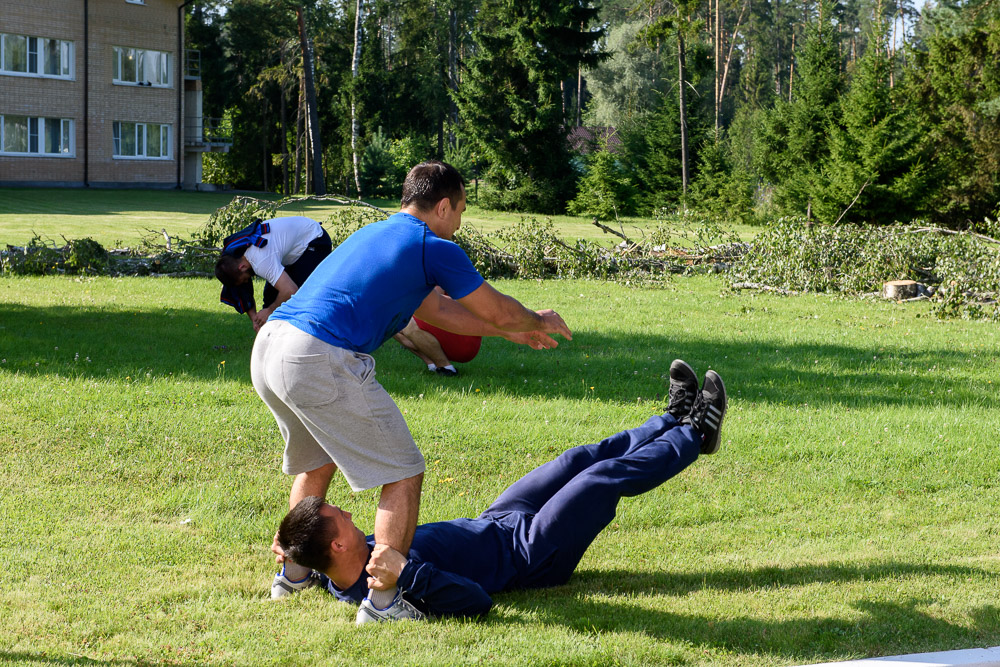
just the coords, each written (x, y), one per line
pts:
(532, 536)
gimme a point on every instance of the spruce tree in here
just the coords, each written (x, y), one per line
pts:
(876, 171)
(510, 103)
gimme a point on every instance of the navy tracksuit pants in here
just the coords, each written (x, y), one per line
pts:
(568, 501)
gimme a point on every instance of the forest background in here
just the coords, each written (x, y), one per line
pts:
(860, 111)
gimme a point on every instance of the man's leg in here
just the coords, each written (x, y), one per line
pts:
(425, 345)
(530, 493)
(627, 464)
(395, 523)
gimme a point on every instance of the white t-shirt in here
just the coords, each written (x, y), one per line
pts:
(286, 242)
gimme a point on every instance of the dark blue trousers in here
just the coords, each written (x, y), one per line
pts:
(568, 501)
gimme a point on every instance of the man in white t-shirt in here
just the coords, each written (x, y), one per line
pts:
(282, 251)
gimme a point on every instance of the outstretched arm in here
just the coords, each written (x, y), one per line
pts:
(441, 593)
(487, 312)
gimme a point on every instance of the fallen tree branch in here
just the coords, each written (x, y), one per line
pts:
(854, 201)
(764, 288)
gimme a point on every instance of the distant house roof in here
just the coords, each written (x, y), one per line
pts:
(589, 139)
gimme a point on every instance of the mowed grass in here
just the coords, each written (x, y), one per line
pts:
(121, 218)
(851, 512)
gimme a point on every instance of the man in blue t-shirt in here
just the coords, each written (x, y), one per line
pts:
(532, 536)
(311, 361)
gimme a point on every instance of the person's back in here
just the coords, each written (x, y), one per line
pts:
(371, 284)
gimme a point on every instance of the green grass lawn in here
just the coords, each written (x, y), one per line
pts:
(851, 512)
(123, 217)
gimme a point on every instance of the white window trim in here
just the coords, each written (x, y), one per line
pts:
(115, 55)
(40, 56)
(145, 139)
(41, 139)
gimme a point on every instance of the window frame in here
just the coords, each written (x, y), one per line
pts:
(37, 131)
(145, 59)
(37, 57)
(140, 141)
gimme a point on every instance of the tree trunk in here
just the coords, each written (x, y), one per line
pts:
(284, 142)
(299, 136)
(718, 58)
(319, 182)
(355, 131)
(263, 140)
(452, 73)
(791, 69)
(683, 112)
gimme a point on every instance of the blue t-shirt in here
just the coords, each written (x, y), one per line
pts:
(367, 289)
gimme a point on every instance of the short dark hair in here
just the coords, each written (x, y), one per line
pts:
(227, 270)
(305, 534)
(430, 182)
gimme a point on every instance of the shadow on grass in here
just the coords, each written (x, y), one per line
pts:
(164, 339)
(879, 628)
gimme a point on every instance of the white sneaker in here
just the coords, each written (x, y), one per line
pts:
(282, 586)
(399, 610)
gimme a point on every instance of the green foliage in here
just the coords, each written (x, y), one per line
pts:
(629, 82)
(385, 163)
(35, 259)
(463, 158)
(957, 81)
(514, 192)
(234, 216)
(605, 191)
(39, 257)
(963, 268)
(347, 220)
(722, 191)
(377, 171)
(510, 101)
(86, 256)
(877, 170)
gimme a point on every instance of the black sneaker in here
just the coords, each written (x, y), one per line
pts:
(708, 411)
(447, 372)
(683, 389)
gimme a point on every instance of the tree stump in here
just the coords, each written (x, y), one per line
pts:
(898, 290)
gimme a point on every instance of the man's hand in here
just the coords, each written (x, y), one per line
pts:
(385, 566)
(261, 317)
(554, 323)
(279, 553)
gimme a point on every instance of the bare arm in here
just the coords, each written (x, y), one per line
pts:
(487, 312)
(286, 288)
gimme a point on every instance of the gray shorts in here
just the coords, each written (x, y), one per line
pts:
(330, 408)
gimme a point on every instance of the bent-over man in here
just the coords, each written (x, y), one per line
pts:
(282, 251)
(532, 536)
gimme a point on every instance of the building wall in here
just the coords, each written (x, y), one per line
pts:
(152, 25)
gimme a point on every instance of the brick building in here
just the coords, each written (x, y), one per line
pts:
(98, 93)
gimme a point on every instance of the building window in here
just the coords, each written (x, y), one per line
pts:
(140, 67)
(141, 140)
(27, 135)
(36, 56)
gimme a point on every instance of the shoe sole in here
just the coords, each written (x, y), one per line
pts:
(713, 445)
